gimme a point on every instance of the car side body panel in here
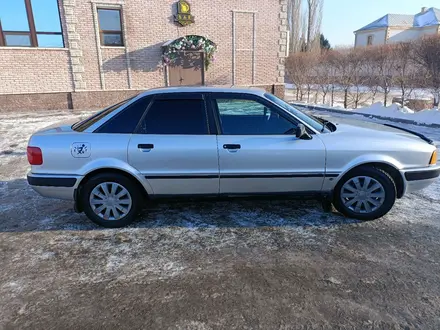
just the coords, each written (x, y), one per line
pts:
(325, 158)
(104, 151)
(271, 164)
(401, 151)
(176, 164)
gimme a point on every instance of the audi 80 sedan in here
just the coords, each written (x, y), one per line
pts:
(213, 142)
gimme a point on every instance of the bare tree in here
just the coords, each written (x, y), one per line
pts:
(314, 22)
(324, 73)
(362, 72)
(371, 72)
(311, 61)
(427, 55)
(296, 69)
(384, 60)
(296, 26)
(405, 72)
(357, 60)
(346, 62)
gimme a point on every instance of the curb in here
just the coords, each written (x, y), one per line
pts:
(345, 112)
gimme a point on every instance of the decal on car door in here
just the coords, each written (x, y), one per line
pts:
(81, 149)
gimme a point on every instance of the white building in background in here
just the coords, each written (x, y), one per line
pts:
(393, 28)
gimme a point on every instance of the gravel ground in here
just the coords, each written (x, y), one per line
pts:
(214, 265)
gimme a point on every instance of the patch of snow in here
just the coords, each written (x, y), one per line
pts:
(427, 116)
(12, 287)
(47, 255)
(16, 129)
(393, 111)
(334, 280)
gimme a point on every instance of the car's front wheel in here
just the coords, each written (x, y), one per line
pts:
(111, 200)
(366, 193)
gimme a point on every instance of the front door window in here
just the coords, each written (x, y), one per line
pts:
(249, 117)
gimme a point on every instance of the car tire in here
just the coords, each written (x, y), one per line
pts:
(374, 204)
(123, 209)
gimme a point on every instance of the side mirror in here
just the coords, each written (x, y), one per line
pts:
(301, 132)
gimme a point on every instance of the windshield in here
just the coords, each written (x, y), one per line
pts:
(81, 126)
(313, 122)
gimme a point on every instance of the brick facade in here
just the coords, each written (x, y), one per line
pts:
(85, 68)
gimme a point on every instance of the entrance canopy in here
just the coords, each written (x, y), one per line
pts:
(193, 43)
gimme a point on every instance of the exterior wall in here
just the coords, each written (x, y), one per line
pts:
(36, 101)
(396, 35)
(85, 99)
(136, 66)
(86, 67)
(378, 37)
(430, 30)
(34, 70)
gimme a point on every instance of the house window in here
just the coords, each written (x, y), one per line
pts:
(370, 41)
(30, 23)
(110, 27)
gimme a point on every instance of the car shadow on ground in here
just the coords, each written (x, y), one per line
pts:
(23, 210)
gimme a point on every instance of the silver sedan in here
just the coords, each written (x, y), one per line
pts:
(212, 142)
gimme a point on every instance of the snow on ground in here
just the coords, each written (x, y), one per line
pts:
(427, 116)
(368, 105)
(237, 264)
(15, 131)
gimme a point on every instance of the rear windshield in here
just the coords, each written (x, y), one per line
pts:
(81, 126)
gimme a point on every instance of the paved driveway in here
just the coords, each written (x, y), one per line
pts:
(222, 265)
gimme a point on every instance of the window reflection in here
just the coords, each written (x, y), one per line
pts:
(43, 31)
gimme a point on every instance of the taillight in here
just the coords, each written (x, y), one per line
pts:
(35, 156)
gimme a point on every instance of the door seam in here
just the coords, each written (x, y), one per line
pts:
(218, 164)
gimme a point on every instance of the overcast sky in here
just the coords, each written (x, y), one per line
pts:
(342, 17)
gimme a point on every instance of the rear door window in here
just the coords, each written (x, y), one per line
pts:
(127, 120)
(180, 116)
(86, 123)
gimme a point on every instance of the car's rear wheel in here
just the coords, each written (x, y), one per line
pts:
(366, 193)
(111, 200)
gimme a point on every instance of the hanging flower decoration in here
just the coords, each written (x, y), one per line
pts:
(189, 43)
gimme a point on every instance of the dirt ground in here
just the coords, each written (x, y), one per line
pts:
(211, 265)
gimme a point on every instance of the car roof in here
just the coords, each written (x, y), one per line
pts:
(204, 89)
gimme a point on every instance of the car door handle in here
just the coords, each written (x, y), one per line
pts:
(145, 147)
(231, 146)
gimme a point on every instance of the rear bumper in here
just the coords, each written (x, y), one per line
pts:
(418, 179)
(54, 186)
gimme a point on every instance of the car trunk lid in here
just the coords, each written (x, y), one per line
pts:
(59, 127)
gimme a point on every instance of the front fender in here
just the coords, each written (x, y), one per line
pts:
(371, 158)
(330, 183)
(116, 164)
